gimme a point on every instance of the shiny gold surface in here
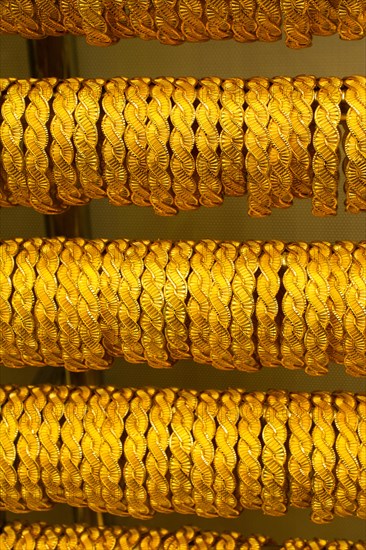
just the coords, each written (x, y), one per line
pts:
(176, 144)
(79, 303)
(135, 452)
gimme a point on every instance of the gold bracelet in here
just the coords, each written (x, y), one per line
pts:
(294, 306)
(134, 453)
(220, 296)
(250, 450)
(4, 191)
(181, 444)
(167, 22)
(203, 452)
(268, 284)
(232, 137)
(62, 149)
(243, 307)
(351, 20)
(317, 310)
(303, 94)
(268, 18)
(9, 353)
(323, 17)
(323, 458)
(182, 140)
(355, 144)
(199, 282)
(340, 263)
(190, 13)
(347, 444)
(207, 142)
(296, 23)
(280, 129)
(355, 316)
(113, 149)
(301, 449)
(244, 24)
(93, 22)
(225, 461)
(129, 292)
(176, 296)
(361, 455)
(326, 142)
(158, 157)
(274, 454)
(157, 466)
(257, 142)
(136, 140)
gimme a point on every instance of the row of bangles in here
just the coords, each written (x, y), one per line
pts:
(179, 143)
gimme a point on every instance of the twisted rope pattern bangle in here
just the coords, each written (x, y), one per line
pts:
(134, 452)
(176, 144)
(79, 303)
(104, 22)
(34, 535)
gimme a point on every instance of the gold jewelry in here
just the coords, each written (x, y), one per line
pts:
(326, 142)
(355, 144)
(232, 137)
(323, 458)
(301, 449)
(274, 454)
(268, 18)
(296, 23)
(361, 455)
(207, 142)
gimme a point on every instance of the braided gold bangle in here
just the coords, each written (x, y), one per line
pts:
(317, 311)
(361, 455)
(326, 142)
(300, 449)
(207, 142)
(323, 17)
(297, 23)
(268, 285)
(355, 145)
(274, 454)
(294, 306)
(347, 444)
(268, 18)
(323, 458)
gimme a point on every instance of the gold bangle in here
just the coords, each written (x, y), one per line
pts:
(199, 282)
(85, 137)
(141, 19)
(301, 449)
(340, 262)
(244, 24)
(182, 140)
(274, 454)
(351, 20)
(257, 142)
(12, 111)
(207, 142)
(225, 460)
(45, 309)
(326, 142)
(134, 451)
(152, 302)
(4, 191)
(294, 306)
(167, 22)
(323, 458)
(175, 296)
(62, 149)
(158, 157)
(190, 13)
(9, 353)
(268, 284)
(25, 20)
(296, 23)
(280, 129)
(157, 466)
(355, 144)
(268, 18)
(181, 443)
(203, 452)
(113, 148)
(323, 17)
(355, 316)
(347, 444)
(317, 310)
(136, 141)
(220, 296)
(217, 18)
(93, 22)
(303, 94)
(250, 450)
(129, 291)
(232, 137)
(361, 455)
(243, 307)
